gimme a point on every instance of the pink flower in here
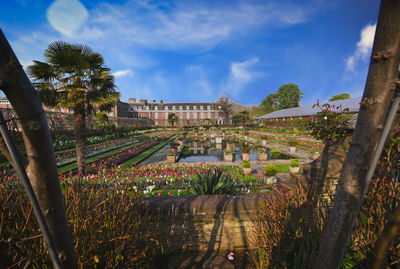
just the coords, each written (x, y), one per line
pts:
(159, 194)
(231, 256)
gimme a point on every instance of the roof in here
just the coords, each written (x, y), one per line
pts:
(353, 104)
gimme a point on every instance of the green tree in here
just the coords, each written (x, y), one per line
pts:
(172, 118)
(342, 96)
(289, 95)
(270, 103)
(75, 77)
(243, 116)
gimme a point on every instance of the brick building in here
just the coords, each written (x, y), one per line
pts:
(193, 113)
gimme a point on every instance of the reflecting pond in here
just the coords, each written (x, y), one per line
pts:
(207, 150)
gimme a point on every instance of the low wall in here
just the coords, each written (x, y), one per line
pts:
(207, 223)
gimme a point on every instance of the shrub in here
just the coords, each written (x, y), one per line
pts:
(329, 125)
(214, 181)
(227, 152)
(261, 152)
(246, 164)
(171, 153)
(275, 150)
(292, 143)
(294, 163)
(271, 170)
(108, 229)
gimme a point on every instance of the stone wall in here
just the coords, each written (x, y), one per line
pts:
(207, 223)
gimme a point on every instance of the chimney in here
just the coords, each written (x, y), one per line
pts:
(132, 100)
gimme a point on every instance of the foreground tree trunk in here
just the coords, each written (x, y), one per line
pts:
(381, 82)
(79, 132)
(42, 168)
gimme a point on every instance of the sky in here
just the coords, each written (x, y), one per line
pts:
(188, 51)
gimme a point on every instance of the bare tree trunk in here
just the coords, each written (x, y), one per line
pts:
(381, 82)
(79, 132)
(42, 168)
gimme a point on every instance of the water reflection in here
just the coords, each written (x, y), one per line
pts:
(206, 149)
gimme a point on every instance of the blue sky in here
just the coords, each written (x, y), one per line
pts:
(197, 50)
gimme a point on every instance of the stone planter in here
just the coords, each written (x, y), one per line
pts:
(171, 158)
(292, 149)
(246, 171)
(262, 157)
(228, 158)
(294, 169)
(270, 179)
(218, 140)
(246, 156)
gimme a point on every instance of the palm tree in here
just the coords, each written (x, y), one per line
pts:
(226, 106)
(75, 77)
(172, 118)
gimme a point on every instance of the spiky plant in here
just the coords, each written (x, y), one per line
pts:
(213, 181)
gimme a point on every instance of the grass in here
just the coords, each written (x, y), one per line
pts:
(282, 168)
(74, 165)
(140, 157)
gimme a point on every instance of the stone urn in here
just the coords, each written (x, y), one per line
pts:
(270, 179)
(246, 156)
(171, 158)
(262, 157)
(294, 169)
(292, 149)
(228, 158)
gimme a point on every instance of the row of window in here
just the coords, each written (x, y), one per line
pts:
(173, 108)
(180, 115)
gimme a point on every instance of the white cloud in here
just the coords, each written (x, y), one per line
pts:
(67, 16)
(240, 75)
(123, 73)
(364, 47)
(187, 24)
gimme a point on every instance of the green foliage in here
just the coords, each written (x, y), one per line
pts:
(214, 181)
(72, 76)
(288, 95)
(172, 118)
(275, 150)
(271, 170)
(101, 119)
(246, 164)
(242, 117)
(329, 125)
(227, 152)
(294, 163)
(270, 103)
(342, 96)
